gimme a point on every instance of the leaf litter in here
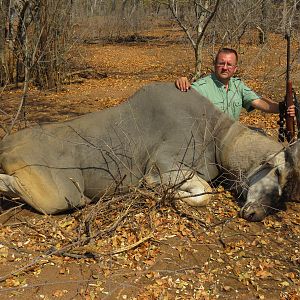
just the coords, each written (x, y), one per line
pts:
(134, 246)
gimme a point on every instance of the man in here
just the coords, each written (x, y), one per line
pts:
(228, 93)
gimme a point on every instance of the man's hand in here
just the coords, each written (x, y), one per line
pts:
(291, 111)
(183, 84)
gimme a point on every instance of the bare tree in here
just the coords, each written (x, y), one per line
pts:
(37, 34)
(194, 17)
(4, 12)
(235, 19)
(290, 10)
(264, 28)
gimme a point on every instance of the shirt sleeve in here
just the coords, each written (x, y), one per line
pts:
(200, 86)
(247, 96)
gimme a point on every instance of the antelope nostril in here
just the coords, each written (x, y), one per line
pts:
(251, 216)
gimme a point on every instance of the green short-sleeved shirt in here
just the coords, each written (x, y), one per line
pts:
(231, 101)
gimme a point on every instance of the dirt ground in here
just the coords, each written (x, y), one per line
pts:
(156, 251)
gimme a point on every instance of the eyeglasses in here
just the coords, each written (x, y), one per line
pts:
(223, 64)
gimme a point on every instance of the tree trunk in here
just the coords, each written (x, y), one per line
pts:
(263, 31)
(198, 59)
(4, 7)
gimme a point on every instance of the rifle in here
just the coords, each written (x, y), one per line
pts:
(297, 108)
(289, 132)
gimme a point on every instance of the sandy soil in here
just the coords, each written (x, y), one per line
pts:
(164, 253)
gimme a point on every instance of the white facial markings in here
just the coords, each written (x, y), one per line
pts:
(263, 185)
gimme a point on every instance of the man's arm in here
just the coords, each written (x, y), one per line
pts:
(267, 105)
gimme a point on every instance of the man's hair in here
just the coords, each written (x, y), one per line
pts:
(226, 50)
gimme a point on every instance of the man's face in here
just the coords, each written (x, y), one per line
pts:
(225, 66)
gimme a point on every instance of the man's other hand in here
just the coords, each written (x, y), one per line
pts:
(291, 111)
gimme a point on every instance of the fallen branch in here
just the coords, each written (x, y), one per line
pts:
(129, 247)
(11, 209)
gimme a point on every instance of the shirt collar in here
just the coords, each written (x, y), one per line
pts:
(219, 83)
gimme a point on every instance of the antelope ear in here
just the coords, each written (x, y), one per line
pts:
(278, 160)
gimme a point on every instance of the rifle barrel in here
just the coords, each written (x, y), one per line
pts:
(290, 122)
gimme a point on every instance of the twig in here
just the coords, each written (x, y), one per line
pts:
(129, 247)
(11, 209)
(197, 195)
(223, 222)
(221, 237)
(118, 251)
(63, 251)
(44, 284)
(31, 264)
